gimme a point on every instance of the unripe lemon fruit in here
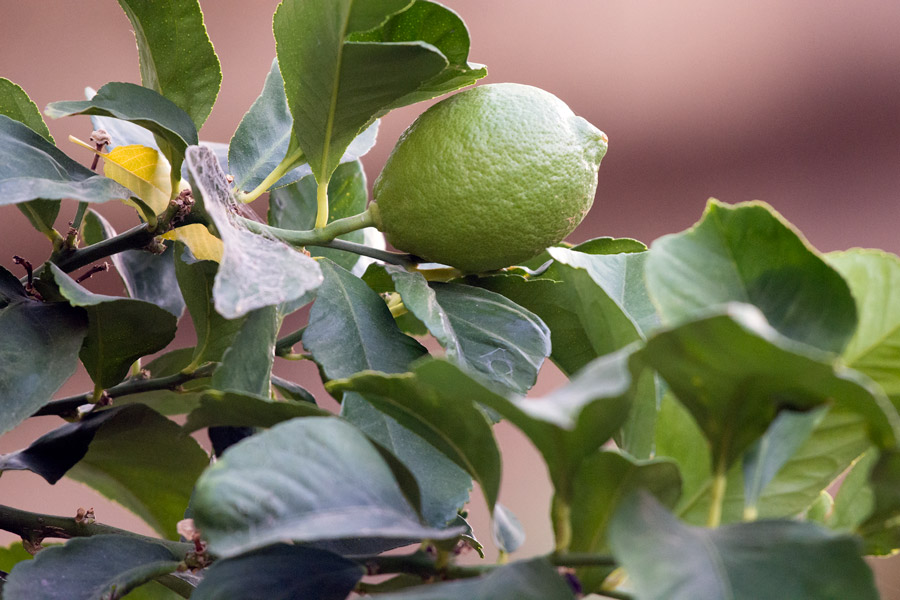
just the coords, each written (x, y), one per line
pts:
(488, 178)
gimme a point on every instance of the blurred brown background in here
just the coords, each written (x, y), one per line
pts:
(797, 104)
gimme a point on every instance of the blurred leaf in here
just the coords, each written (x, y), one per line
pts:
(444, 486)
(288, 571)
(255, 271)
(33, 168)
(176, 57)
(294, 207)
(13, 555)
(481, 331)
(535, 579)
(874, 279)
(172, 127)
(300, 481)
(507, 530)
(142, 460)
(776, 560)
(855, 499)
(749, 253)
(881, 529)
(87, 568)
(708, 362)
(334, 88)
(233, 409)
(454, 424)
(120, 330)
(146, 276)
(38, 349)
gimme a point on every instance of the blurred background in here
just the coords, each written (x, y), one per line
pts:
(797, 104)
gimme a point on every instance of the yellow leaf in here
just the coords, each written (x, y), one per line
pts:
(203, 244)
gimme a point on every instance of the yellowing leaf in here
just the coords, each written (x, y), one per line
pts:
(203, 244)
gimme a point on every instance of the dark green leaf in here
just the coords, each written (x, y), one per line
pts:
(144, 462)
(351, 329)
(874, 279)
(176, 57)
(120, 330)
(218, 409)
(881, 530)
(15, 104)
(292, 391)
(281, 572)
(294, 207)
(172, 127)
(708, 362)
(33, 168)
(507, 530)
(247, 364)
(605, 480)
(444, 487)
(776, 560)
(255, 271)
(534, 579)
(103, 566)
(38, 349)
(301, 481)
(451, 422)
(335, 88)
(147, 276)
(41, 214)
(749, 253)
(179, 401)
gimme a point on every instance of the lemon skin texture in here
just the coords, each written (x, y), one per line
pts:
(488, 178)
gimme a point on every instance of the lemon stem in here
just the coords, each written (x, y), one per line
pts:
(717, 499)
(292, 160)
(322, 205)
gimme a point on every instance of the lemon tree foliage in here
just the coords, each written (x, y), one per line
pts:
(721, 379)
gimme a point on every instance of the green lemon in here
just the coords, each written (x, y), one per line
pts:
(488, 178)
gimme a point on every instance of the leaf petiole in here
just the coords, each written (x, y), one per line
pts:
(293, 160)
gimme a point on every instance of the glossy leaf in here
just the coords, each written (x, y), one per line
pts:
(15, 104)
(749, 253)
(444, 487)
(172, 127)
(294, 207)
(184, 67)
(351, 329)
(255, 271)
(120, 330)
(300, 481)
(232, 409)
(33, 168)
(142, 460)
(147, 276)
(534, 579)
(281, 571)
(246, 366)
(452, 423)
(103, 566)
(777, 560)
(874, 279)
(708, 362)
(38, 349)
(334, 88)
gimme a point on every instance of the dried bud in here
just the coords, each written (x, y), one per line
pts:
(101, 138)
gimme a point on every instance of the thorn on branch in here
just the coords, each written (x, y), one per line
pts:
(92, 271)
(100, 139)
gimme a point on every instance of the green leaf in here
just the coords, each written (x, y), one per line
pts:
(143, 461)
(874, 279)
(41, 214)
(294, 207)
(179, 401)
(351, 329)
(103, 566)
(247, 364)
(288, 571)
(232, 409)
(214, 332)
(880, 496)
(171, 126)
(33, 168)
(176, 57)
(708, 362)
(255, 271)
(855, 499)
(481, 331)
(120, 330)
(146, 276)
(444, 486)
(749, 253)
(15, 104)
(336, 88)
(507, 530)
(450, 422)
(535, 579)
(776, 560)
(13, 555)
(300, 481)
(38, 349)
